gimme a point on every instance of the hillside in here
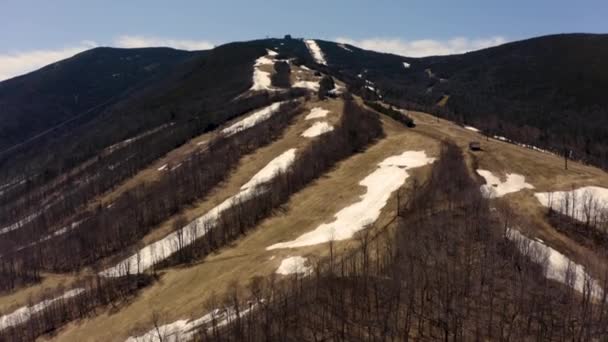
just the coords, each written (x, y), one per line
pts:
(544, 91)
(287, 189)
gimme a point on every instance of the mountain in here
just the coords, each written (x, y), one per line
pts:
(305, 190)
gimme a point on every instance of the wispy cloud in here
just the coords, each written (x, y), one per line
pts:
(146, 41)
(424, 47)
(17, 63)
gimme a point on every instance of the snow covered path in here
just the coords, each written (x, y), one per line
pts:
(388, 177)
(261, 79)
(164, 248)
(24, 313)
(185, 330)
(253, 119)
(315, 51)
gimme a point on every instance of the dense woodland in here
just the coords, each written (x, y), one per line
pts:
(106, 230)
(446, 272)
(50, 204)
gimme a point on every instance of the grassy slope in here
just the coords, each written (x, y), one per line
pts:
(185, 291)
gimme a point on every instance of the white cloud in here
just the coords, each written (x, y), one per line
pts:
(424, 47)
(18, 63)
(144, 41)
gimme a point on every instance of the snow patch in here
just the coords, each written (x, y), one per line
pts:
(24, 313)
(253, 119)
(164, 248)
(316, 113)
(317, 129)
(558, 266)
(388, 177)
(406, 65)
(585, 204)
(293, 265)
(315, 51)
(185, 330)
(261, 79)
(162, 168)
(312, 85)
(345, 47)
(471, 128)
(494, 187)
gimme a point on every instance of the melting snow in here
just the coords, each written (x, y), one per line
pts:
(388, 177)
(185, 330)
(293, 265)
(24, 313)
(315, 51)
(261, 79)
(581, 204)
(312, 85)
(162, 249)
(494, 187)
(471, 128)
(19, 223)
(316, 113)
(345, 47)
(557, 264)
(317, 129)
(253, 119)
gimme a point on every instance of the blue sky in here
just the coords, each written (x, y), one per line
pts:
(34, 32)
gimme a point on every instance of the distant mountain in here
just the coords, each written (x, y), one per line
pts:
(35, 102)
(547, 91)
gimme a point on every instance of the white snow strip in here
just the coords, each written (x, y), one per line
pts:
(471, 128)
(345, 47)
(164, 248)
(253, 119)
(271, 53)
(162, 168)
(501, 138)
(317, 113)
(137, 137)
(261, 79)
(315, 51)
(318, 128)
(388, 177)
(185, 330)
(406, 65)
(24, 313)
(494, 187)
(19, 223)
(586, 204)
(293, 265)
(312, 85)
(558, 266)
